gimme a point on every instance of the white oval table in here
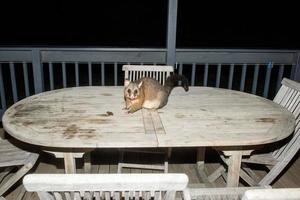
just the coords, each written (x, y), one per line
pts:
(75, 120)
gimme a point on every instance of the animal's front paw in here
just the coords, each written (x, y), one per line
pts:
(130, 111)
(125, 108)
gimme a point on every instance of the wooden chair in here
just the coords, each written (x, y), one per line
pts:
(220, 193)
(106, 186)
(278, 158)
(11, 157)
(272, 194)
(160, 73)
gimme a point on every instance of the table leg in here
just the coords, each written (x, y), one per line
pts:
(87, 162)
(200, 157)
(201, 170)
(234, 167)
(70, 165)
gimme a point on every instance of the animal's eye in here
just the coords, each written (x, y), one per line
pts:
(129, 91)
(135, 92)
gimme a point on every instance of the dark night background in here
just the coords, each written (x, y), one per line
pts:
(135, 23)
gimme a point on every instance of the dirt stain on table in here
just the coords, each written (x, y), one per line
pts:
(265, 120)
(106, 94)
(74, 131)
(108, 113)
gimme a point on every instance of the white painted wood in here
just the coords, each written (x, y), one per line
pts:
(220, 193)
(272, 194)
(148, 71)
(113, 183)
(12, 156)
(45, 196)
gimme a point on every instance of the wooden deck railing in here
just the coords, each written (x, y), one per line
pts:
(26, 71)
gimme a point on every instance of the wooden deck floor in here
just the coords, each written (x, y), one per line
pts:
(182, 161)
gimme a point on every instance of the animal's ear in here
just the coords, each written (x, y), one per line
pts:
(126, 82)
(140, 84)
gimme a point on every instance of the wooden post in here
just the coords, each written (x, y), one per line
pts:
(171, 34)
(295, 74)
(37, 71)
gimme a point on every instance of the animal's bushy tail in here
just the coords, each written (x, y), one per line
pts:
(172, 81)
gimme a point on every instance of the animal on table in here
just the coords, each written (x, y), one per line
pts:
(149, 93)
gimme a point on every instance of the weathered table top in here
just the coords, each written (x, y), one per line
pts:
(91, 117)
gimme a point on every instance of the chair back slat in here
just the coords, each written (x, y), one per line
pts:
(158, 72)
(57, 196)
(106, 186)
(280, 94)
(46, 196)
(288, 96)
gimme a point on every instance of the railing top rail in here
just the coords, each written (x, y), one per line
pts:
(42, 48)
(240, 50)
(81, 49)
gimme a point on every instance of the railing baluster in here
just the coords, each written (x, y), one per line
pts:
(193, 74)
(243, 77)
(180, 69)
(26, 83)
(218, 75)
(279, 77)
(37, 68)
(102, 74)
(116, 73)
(231, 76)
(267, 79)
(2, 91)
(13, 81)
(205, 74)
(255, 78)
(293, 70)
(90, 73)
(64, 74)
(51, 76)
(179, 72)
(77, 74)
